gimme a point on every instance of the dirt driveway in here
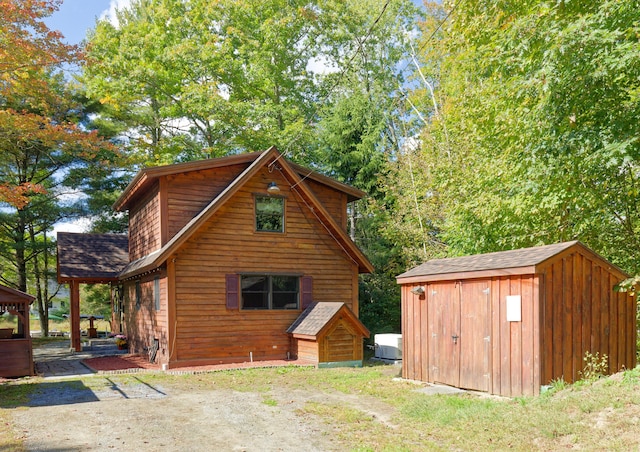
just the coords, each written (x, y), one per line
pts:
(133, 414)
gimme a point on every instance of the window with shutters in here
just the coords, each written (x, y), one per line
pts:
(270, 291)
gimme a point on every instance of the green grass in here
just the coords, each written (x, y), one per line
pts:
(595, 415)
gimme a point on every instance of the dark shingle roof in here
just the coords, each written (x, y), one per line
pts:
(91, 256)
(314, 318)
(491, 261)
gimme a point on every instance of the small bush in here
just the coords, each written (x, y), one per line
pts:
(595, 366)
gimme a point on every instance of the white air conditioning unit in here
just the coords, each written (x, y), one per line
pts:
(388, 346)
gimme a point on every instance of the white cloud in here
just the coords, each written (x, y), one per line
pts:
(110, 14)
(321, 65)
(80, 225)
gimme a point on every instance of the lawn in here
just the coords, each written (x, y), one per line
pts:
(371, 410)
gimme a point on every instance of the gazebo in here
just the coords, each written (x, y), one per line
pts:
(15, 343)
(89, 259)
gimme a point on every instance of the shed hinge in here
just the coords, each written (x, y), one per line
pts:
(486, 291)
(433, 292)
(487, 338)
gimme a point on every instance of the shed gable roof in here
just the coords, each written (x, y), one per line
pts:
(319, 315)
(523, 260)
(91, 257)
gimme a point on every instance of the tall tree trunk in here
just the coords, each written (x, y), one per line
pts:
(19, 242)
(41, 300)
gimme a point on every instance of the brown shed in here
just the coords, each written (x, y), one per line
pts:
(510, 322)
(329, 335)
(15, 342)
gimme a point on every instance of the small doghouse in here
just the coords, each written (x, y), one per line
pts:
(510, 322)
(328, 334)
(15, 342)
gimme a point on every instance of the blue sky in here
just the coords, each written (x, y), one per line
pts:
(75, 17)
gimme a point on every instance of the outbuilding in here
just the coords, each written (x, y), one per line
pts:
(15, 340)
(511, 322)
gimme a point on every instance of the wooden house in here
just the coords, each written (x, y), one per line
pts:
(225, 254)
(511, 322)
(16, 350)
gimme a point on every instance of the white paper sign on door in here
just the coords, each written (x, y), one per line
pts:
(514, 308)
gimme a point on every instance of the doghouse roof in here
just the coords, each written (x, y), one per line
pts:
(512, 262)
(319, 315)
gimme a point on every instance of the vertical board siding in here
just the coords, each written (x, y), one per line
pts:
(529, 333)
(587, 316)
(569, 308)
(515, 347)
(474, 341)
(229, 244)
(417, 355)
(144, 225)
(505, 338)
(576, 304)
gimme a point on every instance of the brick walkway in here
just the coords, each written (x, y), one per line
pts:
(57, 359)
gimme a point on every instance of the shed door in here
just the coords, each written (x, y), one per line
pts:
(474, 334)
(459, 334)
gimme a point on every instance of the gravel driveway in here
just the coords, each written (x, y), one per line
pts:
(66, 415)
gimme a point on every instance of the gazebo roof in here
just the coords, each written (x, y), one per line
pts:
(91, 258)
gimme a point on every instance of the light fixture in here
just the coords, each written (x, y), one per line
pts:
(419, 290)
(273, 188)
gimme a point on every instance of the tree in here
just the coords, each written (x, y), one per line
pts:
(540, 103)
(41, 142)
(194, 79)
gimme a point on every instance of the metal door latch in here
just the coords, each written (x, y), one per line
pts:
(455, 338)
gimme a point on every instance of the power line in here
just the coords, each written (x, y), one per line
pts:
(336, 82)
(439, 26)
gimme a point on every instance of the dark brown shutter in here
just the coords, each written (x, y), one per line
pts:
(233, 297)
(307, 291)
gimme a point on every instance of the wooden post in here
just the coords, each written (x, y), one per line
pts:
(74, 288)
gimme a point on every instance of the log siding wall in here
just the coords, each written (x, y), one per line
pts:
(187, 194)
(144, 225)
(144, 324)
(209, 332)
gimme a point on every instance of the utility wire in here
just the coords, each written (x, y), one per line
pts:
(337, 81)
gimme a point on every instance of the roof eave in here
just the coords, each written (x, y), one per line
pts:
(526, 270)
(146, 176)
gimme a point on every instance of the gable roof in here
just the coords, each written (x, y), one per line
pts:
(520, 261)
(91, 257)
(267, 158)
(319, 315)
(147, 176)
(13, 294)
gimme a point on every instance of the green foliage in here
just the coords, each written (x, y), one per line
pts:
(595, 366)
(537, 141)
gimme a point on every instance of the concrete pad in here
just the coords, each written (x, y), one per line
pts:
(433, 389)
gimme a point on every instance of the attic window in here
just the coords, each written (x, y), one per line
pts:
(269, 214)
(270, 291)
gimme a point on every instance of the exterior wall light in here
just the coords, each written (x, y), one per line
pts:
(273, 188)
